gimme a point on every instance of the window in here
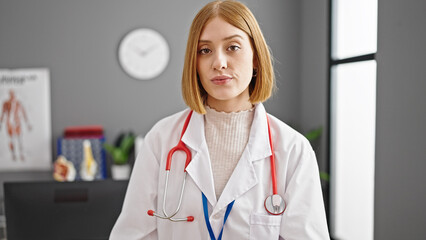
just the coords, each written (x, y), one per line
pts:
(353, 35)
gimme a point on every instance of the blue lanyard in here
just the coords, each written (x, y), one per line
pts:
(206, 217)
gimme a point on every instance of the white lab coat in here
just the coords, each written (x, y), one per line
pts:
(297, 181)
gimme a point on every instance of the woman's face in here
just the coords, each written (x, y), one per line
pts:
(225, 65)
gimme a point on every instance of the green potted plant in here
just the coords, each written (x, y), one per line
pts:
(313, 136)
(120, 168)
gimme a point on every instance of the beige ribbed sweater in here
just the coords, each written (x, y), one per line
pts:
(227, 135)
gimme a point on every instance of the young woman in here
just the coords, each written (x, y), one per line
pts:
(239, 155)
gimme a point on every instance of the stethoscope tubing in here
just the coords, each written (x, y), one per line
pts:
(272, 159)
(179, 147)
(180, 197)
(182, 147)
(165, 215)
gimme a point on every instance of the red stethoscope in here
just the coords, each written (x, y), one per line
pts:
(274, 204)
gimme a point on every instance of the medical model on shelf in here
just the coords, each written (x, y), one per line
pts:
(88, 167)
(63, 170)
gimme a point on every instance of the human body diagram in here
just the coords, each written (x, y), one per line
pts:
(13, 114)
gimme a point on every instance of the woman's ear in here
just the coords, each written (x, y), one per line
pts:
(255, 62)
(254, 72)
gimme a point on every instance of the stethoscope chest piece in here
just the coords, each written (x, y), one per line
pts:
(275, 204)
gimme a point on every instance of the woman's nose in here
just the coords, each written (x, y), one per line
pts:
(220, 61)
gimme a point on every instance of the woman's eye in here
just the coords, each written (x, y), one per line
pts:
(234, 48)
(204, 51)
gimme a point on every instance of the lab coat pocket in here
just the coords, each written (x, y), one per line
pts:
(265, 226)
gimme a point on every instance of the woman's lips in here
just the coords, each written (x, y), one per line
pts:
(221, 80)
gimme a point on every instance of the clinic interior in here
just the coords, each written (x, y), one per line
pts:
(78, 41)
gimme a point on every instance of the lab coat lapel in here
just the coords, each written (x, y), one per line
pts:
(258, 143)
(244, 176)
(199, 168)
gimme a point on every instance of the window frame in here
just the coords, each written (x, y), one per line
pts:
(333, 62)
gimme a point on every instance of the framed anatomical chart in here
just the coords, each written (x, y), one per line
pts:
(25, 120)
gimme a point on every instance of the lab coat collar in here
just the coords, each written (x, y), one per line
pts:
(244, 176)
(200, 168)
(258, 143)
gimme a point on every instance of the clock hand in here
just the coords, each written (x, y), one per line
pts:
(151, 48)
(140, 52)
(137, 50)
(145, 52)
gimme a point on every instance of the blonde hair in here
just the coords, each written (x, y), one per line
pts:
(238, 15)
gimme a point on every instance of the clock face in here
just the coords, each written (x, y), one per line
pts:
(143, 54)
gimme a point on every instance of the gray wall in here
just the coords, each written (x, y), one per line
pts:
(78, 40)
(400, 192)
(313, 71)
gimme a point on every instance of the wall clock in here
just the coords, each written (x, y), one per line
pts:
(143, 53)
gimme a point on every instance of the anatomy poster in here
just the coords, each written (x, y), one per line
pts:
(25, 120)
